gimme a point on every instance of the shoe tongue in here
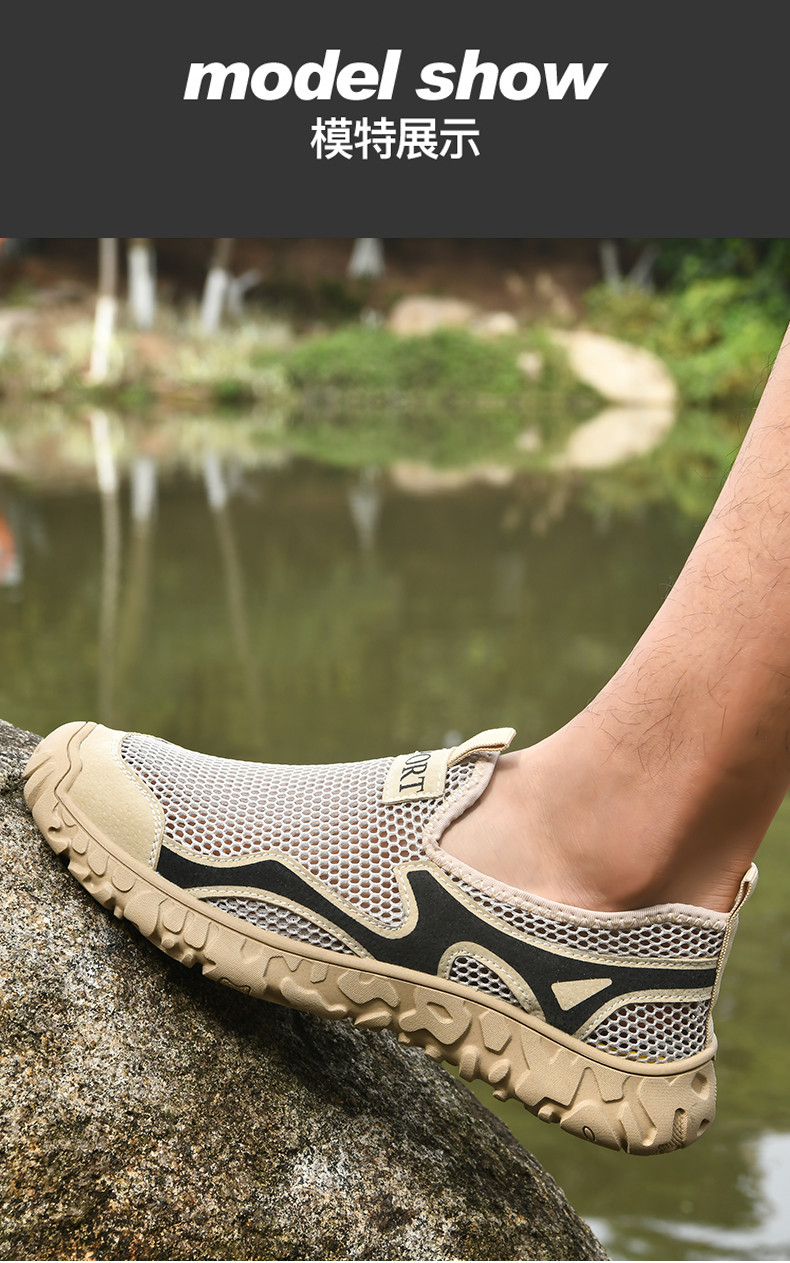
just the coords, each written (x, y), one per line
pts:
(423, 774)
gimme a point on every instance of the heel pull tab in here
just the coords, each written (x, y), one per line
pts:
(745, 891)
(494, 739)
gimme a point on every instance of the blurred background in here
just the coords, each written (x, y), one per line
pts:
(310, 500)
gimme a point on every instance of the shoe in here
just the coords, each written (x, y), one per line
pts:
(326, 889)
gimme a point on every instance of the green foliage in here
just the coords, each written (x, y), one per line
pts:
(449, 360)
(718, 334)
(135, 397)
(718, 315)
(229, 392)
(22, 294)
(369, 395)
(764, 260)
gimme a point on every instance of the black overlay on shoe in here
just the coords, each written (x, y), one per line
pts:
(443, 920)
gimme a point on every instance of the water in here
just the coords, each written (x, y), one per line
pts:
(273, 609)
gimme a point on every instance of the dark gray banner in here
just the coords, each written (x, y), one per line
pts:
(411, 119)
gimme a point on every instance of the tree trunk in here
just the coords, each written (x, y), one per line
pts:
(609, 254)
(367, 258)
(215, 292)
(106, 308)
(141, 266)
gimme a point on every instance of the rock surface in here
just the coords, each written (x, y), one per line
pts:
(419, 314)
(620, 372)
(531, 364)
(148, 1113)
(495, 324)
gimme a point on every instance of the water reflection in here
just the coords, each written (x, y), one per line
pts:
(371, 619)
(107, 480)
(10, 550)
(216, 484)
(137, 590)
(762, 1231)
(364, 500)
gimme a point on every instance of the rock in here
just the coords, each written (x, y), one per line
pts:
(531, 364)
(148, 1113)
(495, 324)
(529, 440)
(420, 479)
(615, 435)
(620, 372)
(420, 314)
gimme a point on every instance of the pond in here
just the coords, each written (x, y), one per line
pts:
(274, 609)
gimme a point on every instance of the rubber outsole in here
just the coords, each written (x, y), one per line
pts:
(640, 1108)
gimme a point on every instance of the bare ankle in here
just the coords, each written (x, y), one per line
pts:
(580, 824)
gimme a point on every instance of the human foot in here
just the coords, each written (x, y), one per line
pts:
(328, 889)
(578, 821)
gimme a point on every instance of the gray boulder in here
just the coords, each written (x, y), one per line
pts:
(150, 1114)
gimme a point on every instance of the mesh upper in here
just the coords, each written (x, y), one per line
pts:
(653, 1032)
(658, 938)
(639, 1032)
(329, 818)
(471, 972)
(270, 916)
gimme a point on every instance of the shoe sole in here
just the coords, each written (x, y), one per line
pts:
(619, 1104)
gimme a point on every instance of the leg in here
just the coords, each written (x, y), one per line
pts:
(339, 890)
(664, 786)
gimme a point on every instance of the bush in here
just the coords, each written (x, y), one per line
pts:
(718, 335)
(448, 361)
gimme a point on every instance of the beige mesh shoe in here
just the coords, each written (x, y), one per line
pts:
(326, 889)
